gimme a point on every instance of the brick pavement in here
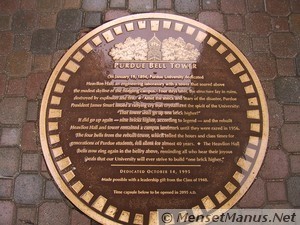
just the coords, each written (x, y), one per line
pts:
(34, 34)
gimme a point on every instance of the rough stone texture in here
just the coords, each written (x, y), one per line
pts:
(256, 195)
(210, 4)
(291, 113)
(28, 4)
(242, 41)
(53, 213)
(35, 85)
(233, 6)
(49, 5)
(164, 4)
(295, 5)
(18, 63)
(6, 43)
(43, 41)
(24, 21)
(5, 22)
(264, 65)
(42, 62)
(30, 162)
(92, 19)
(10, 136)
(260, 44)
(78, 218)
(26, 216)
(22, 42)
(293, 185)
(275, 114)
(12, 110)
(32, 185)
(278, 7)
(66, 40)
(47, 20)
(234, 22)
(9, 161)
(72, 4)
(276, 191)
(2, 85)
(275, 165)
(290, 137)
(69, 20)
(140, 5)
(258, 23)
(288, 89)
(295, 23)
(280, 24)
(274, 139)
(298, 64)
(6, 186)
(187, 6)
(29, 137)
(256, 5)
(9, 6)
(283, 45)
(114, 14)
(94, 5)
(51, 191)
(7, 210)
(32, 111)
(286, 67)
(212, 19)
(295, 163)
(16, 87)
(120, 3)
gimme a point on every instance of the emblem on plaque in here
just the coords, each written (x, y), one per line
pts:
(149, 112)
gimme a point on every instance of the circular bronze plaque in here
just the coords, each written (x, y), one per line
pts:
(150, 112)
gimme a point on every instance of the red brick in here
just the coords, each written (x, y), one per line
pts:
(275, 165)
(2, 63)
(260, 44)
(275, 114)
(54, 213)
(295, 163)
(210, 4)
(42, 62)
(283, 45)
(9, 6)
(28, 4)
(274, 139)
(290, 137)
(6, 186)
(6, 42)
(276, 191)
(164, 4)
(16, 87)
(292, 113)
(241, 40)
(114, 14)
(295, 23)
(264, 65)
(286, 67)
(269, 89)
(18, 63)
(29, 137)
(258, 23)
(72, 4)
(22, 42)
(78, 218)
(256, 195)
(24, 21)
(212, 19)
(233, 6)
(234, 22)
(295, 5)
(2, 85)
(26, 215)
(280, 24)
(47, 20)
(35, 85)
(7, 211)
(58, 54)
(278, 7)
(256, 5)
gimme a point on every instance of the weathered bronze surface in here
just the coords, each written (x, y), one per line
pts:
(153, 111)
